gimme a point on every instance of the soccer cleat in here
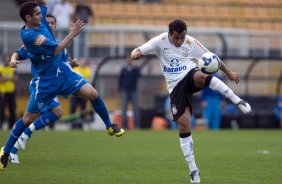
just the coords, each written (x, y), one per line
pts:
(4, 158)
(244, 107)
(195, 176)
(115, 130)
(22, 141)
(14, 158)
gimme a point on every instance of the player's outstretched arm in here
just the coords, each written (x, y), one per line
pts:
(136, 54)
(233, 76)
(75, 29)
(15, 59)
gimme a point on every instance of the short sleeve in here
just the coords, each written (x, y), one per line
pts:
(38, 44)
(23, 53)
(150, 47)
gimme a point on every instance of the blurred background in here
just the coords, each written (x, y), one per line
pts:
(246, 34)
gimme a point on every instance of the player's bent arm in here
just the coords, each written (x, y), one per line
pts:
(136, 54)
(15, 59)
(233, 76)
(76, 28)
(63, 44)
(224, 68)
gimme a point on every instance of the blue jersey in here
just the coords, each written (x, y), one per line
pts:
(41, 44)
(23, 54)
(52, 76)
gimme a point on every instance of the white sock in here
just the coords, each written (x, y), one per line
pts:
(31, 127)
(24, 136)
(17, 146)
(186, 145)
(219, 86)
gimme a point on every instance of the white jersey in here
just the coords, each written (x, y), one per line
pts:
(175, 62)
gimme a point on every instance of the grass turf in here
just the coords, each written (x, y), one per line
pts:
(145, 157)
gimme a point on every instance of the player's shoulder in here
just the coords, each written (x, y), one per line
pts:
(27, 34)
(192, 40)
(158, 40)
(163, 36)
(33, 36)
(189, 39)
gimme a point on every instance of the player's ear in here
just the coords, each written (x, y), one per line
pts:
(27, 18)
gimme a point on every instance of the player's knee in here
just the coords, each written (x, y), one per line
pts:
(200, 79)
(58, 112)
(88, 92)
(29, 118)
(183, 125)
(92, 94)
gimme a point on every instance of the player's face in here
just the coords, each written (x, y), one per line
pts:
(52, 23)
(177, 39)
(36, 17)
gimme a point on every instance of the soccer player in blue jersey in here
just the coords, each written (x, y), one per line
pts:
(53, 77)
(22, 54)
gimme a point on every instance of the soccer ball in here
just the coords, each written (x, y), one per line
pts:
(209, 63)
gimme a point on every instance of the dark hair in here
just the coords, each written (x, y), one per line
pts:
(27, 8)
(178, 26)
(52, 16)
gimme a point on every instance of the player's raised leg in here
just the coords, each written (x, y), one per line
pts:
(88, 92)
(219, 86)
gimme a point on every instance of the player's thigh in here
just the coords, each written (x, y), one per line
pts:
(87, 92)
(199, 79)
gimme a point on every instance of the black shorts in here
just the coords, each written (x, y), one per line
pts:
(181, 95)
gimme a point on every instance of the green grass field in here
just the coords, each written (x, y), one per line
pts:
(145, 157)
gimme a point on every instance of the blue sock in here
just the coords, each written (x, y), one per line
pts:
(17, 130)
(44, 120)
(14, 150)
(28, 132)
(101, 109)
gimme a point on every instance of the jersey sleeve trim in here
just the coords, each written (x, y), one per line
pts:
(40, 40)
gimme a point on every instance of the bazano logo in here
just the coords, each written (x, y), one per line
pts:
(174, 67)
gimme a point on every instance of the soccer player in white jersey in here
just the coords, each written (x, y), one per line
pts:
(176, 52)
